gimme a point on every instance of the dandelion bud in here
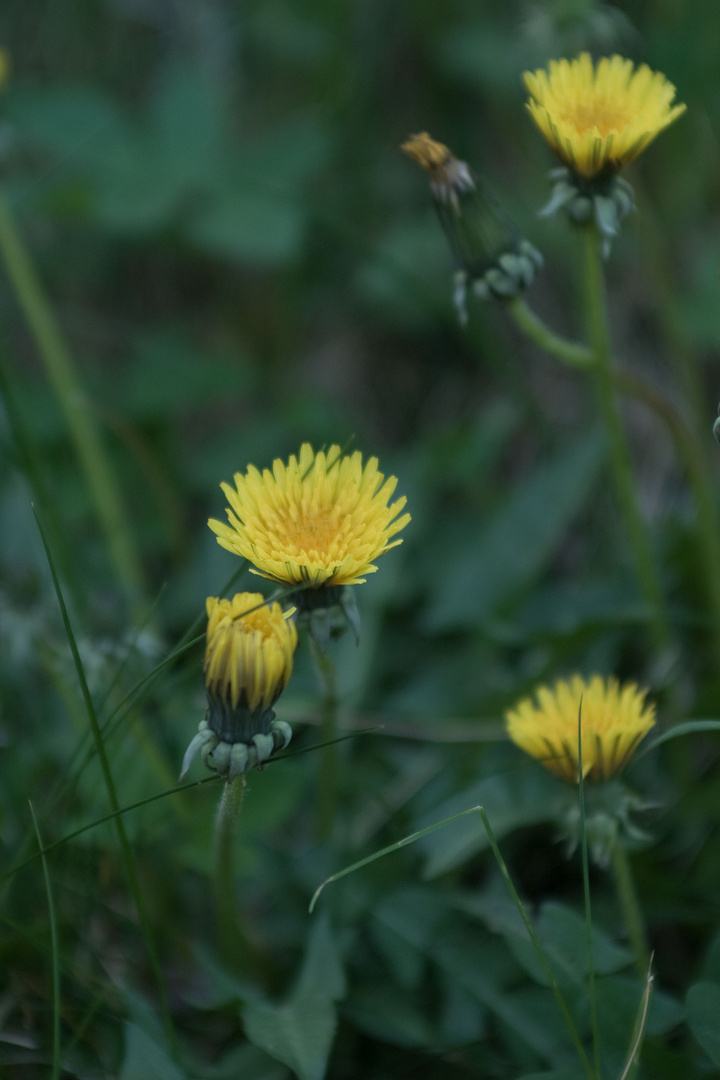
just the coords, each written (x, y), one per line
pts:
(248, 662)
(493, 259)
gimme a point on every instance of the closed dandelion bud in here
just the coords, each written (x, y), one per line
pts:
(316, 523)
(248, 662)
(598, 119)
(613, 721)
(492, 258)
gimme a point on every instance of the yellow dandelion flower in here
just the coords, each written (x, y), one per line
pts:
(598, 119)
(614, 720)
(248, 662)
(4, 66)
(249, 651)
(319, 520)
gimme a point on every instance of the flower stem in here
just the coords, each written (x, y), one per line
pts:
(598, 333)
(569, 352)
(327, 785)
(231, 940)
(65, 381)
(630, 906)
(696, 468)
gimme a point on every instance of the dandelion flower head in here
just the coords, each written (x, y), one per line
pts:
(615, 718)
(319, 519)
(249, 650)
(598, 119)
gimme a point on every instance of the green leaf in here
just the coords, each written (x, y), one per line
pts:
(691, 727)
(300, 1032)
(533, 1018)
(519, 541)
(77, 125)
(703, 1017)
(556, 1074)
(386, 1012)
(562, 934)
(251, 227)
(188, 125)
(145, 1059)
(522, 797)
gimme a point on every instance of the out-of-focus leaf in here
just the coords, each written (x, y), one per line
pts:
(519, 541)
(703, 1012)
(483, 55)
(170, 376)
(78, 125)
(246, 1062)
(250, 226)
(145, 1059)
(533, 1018)
(561, 932)
(189, 123)
(300, 1032)
(389, 1013)
(521, 797)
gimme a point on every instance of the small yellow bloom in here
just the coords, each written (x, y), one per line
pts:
(320, 519)
(599, 119)
(249, 651)
(614, 720)
(4, 66)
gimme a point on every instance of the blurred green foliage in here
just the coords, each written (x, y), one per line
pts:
(240, 260)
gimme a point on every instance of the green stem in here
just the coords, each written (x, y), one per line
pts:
(696, 468)
(231, 939)
(569, 352)
(327, 783)
(68, 389)
(630, 907)
(598, 333)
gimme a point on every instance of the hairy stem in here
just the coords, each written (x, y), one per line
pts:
(598, 333)
(630, 907)
(327, 785)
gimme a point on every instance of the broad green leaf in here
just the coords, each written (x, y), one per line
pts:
(387, 1012)
(703, 1017)
(525, 796)
(562, 934)
(77, 125)
(187, 118)
(555, 1074)
(404, 926)
(251, 227)
(300, 1032)
(244, 1062)
(145, 1059)
(519, 541)
(535, 1019)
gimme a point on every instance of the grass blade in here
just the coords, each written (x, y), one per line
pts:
(549, 974)
(130, 866)
(55, 958)
(388, 850)
(640, 1025)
